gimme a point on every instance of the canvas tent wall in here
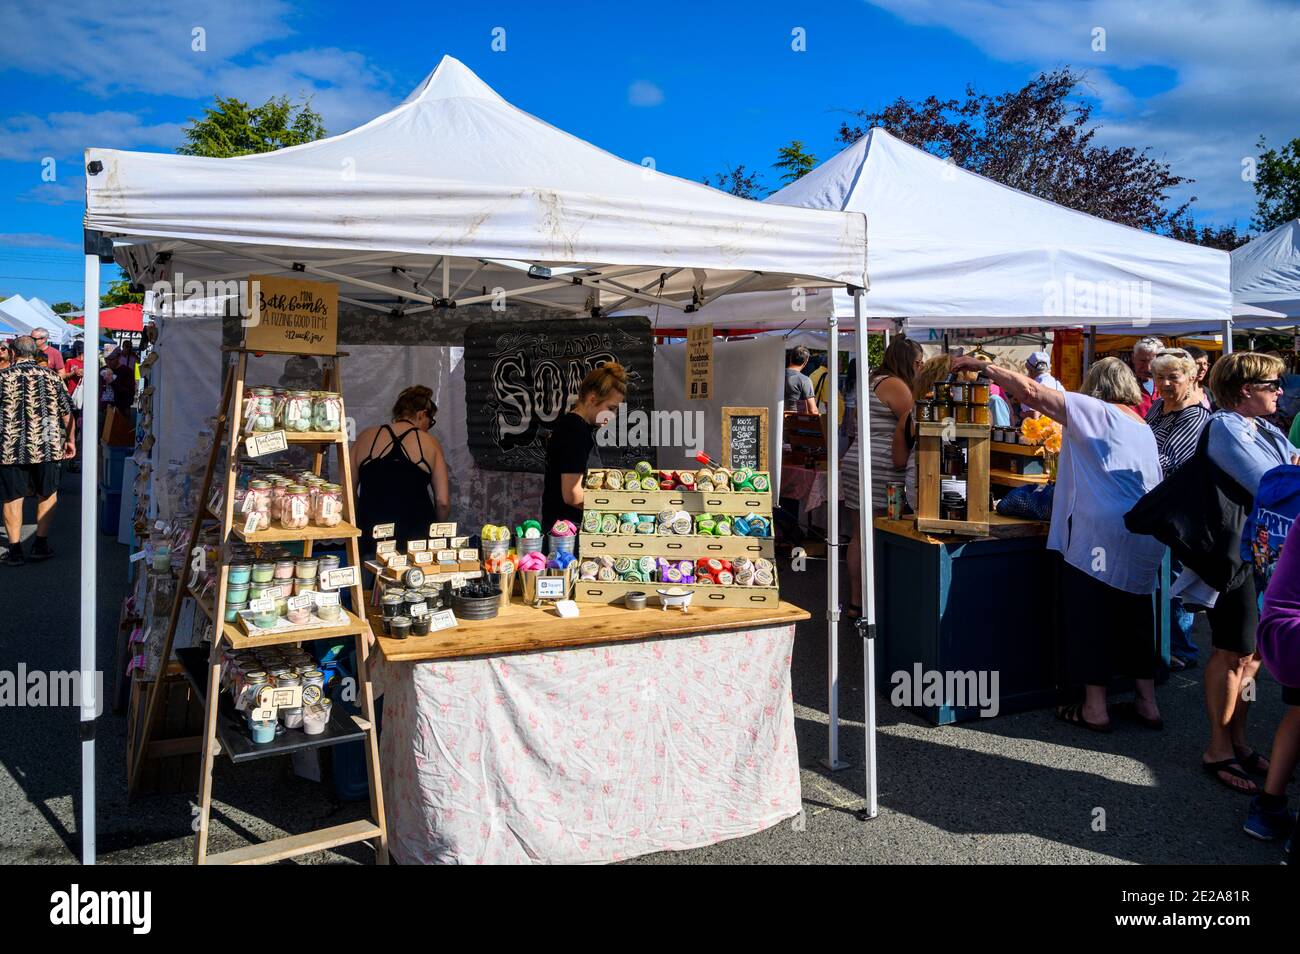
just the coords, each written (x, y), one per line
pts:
(453, 198)
(1266, 279)
(19, 314)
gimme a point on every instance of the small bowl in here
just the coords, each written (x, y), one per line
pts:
(634, 600)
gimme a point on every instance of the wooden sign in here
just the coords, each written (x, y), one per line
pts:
(699, 363)
(292, 316)
(744, 437)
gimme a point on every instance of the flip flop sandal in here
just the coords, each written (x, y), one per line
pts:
(1074, 716)
(1130, 711)
(1233, 768)
(1254, 763)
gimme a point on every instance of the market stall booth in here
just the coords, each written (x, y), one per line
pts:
(457, 207)
(951, 250)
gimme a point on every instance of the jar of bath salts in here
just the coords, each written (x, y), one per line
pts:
(257, 500)
(327, 411)
(297, 413)
(329, 506)
(296, 508)
(316, 717)
(278, 488)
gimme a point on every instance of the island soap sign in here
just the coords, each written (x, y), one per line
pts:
(292, 316)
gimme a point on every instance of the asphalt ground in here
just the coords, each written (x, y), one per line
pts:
(1020, 788)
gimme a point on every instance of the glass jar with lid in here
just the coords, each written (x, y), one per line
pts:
(257, 504)
(327, 411)
(296, 509)
(263, 405)
(297, 411)
(328, 510)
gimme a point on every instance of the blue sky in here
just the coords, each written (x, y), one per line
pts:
(697, 87)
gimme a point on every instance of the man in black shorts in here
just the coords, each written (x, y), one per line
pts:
(36, 435)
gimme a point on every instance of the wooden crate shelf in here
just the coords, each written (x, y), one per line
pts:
(676, 546)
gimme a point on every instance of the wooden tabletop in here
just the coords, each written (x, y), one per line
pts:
(1000, 528)
(520, 628)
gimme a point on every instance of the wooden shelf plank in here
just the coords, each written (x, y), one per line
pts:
(342, 531)
(521, 628)
(238, 639)
(953, 430)
(1007, 479)
(1020, 450)
(269, 852)
(204, 608)
(232, 728)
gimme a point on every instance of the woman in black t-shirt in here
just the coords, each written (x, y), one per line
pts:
(573, 440)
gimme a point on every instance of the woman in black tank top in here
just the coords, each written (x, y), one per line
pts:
(400, 472)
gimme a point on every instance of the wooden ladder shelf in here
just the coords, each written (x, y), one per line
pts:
(220, 734)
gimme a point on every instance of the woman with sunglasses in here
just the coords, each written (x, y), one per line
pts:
(400, 472)
(1246, 385)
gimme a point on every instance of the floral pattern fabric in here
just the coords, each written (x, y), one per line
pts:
(33, 403)
(589, 755)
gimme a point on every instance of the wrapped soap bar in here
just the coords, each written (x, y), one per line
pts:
(643, 468)
(588, 569)
(631, 480)
(622, 564)
(591, 522)
(763, 577)
(649, 484)
(644, 527)
(646, 564)
(686, 480)
(595, 480)
(628, 528)
(607, 561)
(762, 564)
(614, 480)
(723, 527)
(606, 574)
(667, 483)
(725, 578)
(609, 523)
(760, 482)
(705, 525)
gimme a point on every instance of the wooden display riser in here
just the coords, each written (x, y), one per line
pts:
(521, 628)
(675, 546)
(694, 501)
(172, 758)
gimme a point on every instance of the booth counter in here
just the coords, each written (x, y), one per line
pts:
(531, 738)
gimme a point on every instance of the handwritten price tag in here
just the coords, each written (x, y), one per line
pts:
(383, 531)
(252, 523)
(263, 604)
(458, 543)
(300, 602)
(443, 619)
(422, 558)
(343, 576)
(438, 543)
(398, 561)
(420, 609)
(416, 546)
(325, 599)
(385, 547)
(259, 445)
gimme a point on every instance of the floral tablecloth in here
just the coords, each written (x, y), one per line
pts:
(589, 755)
(805, 485)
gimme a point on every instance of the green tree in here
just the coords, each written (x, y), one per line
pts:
(1225, 237)
(63, 307)
(119, 292)
(232, 128)
(737, 181)
(1277, 185)
(794, 160)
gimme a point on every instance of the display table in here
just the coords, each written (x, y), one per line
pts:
(531, 738)
(804, 485)
(961, 604)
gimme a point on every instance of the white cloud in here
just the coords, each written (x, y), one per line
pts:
(146, 47)
(59, 192)
(28, 138)
(1236, 70)
(36, 240)
(644, 93)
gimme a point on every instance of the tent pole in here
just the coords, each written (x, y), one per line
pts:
(89, 438)
(1227, 336)
(1089, 348)
(867, 624)
(833, 760)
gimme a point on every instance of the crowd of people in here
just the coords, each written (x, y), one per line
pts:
(1129, 428)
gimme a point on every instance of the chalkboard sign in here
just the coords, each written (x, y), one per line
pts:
(744, 437)
(521, 380)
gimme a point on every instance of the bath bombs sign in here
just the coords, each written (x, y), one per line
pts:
(292, 316)
(519, 382)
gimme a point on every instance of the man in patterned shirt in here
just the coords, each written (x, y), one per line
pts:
(36, 434)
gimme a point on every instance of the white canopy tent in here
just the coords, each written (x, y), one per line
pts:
(22, 315)
(951, 249)
(453, 198)
(1266, 278)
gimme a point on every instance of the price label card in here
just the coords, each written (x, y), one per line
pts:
(252, 523)
(383, 531)
(449, 556)
(457, 543)
(137, 556)
(433, 529)
(298, 508)
(302, 601)
(385, 547)
(263, 604)
(259, 445)
(443, 619)
(419, 609)
(325, 599)
(437, 543)
(274, 592)
(442, 530)
(398, 561)
(245, 505)
(416, 546)
(265, 714)
(423, 558)
(343, 576)
(468, 556)
(551, 587)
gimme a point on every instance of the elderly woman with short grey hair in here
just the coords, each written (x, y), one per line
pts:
(1109, 460)
(1177, 416)
(1144, 352)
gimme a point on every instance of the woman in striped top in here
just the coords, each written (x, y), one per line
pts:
(889, 399)
(1177, 417)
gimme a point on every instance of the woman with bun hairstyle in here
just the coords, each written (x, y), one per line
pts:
(400, 472)
(570, 450)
